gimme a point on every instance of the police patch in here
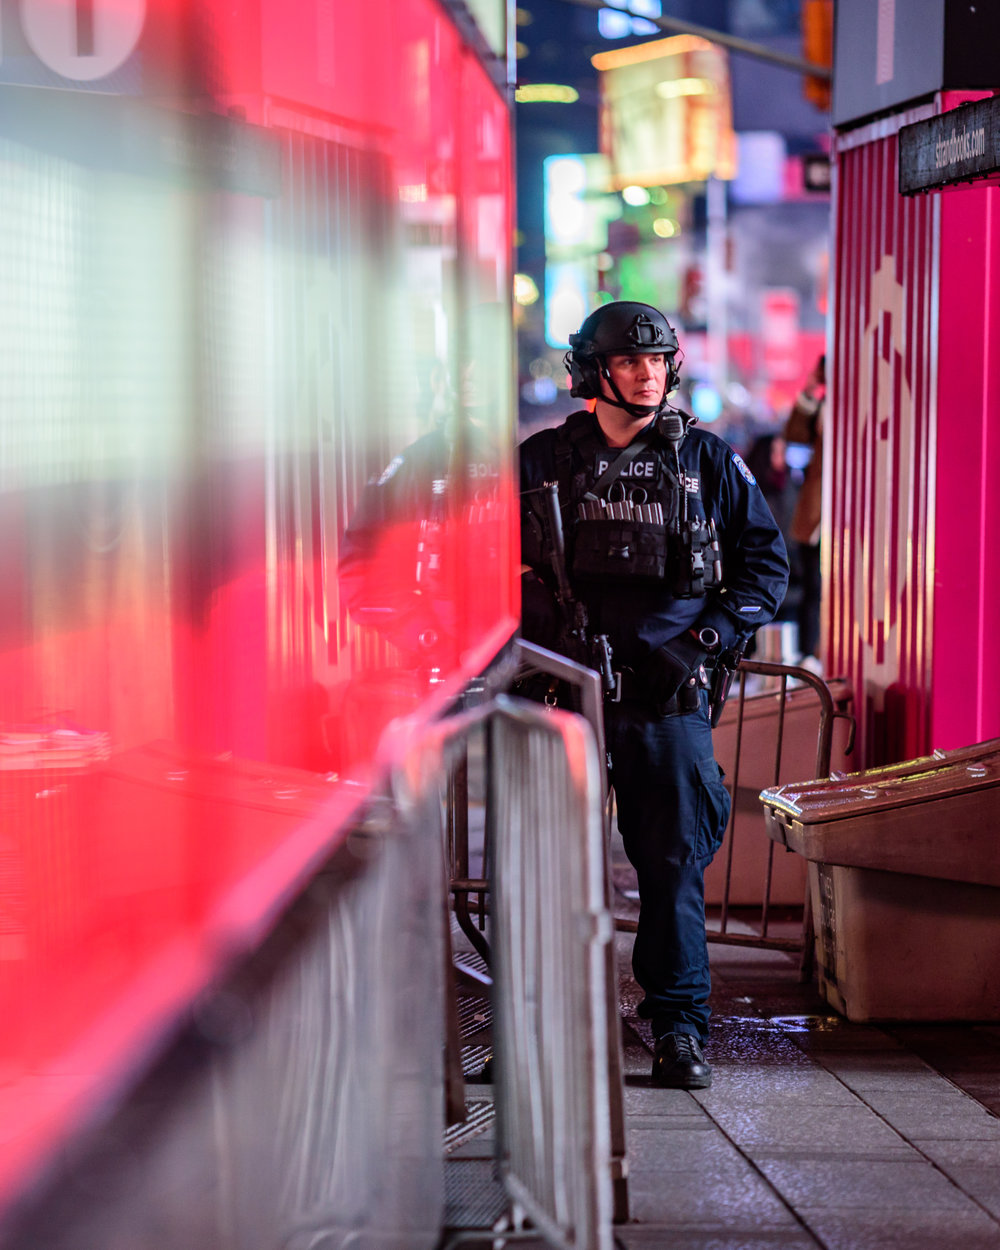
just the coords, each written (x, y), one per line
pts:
(640, 469)
(741, 465)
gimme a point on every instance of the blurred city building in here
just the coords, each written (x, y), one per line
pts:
(666, 167)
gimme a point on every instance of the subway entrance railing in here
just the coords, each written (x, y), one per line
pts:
(782, 722)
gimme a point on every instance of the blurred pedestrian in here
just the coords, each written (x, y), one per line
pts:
(805, 425)
(767, 461)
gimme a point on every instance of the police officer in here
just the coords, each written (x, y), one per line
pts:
(677, 559)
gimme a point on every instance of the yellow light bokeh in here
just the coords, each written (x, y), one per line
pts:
(525, 289)
(546, 93)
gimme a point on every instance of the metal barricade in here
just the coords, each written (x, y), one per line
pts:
(470, 893)
(552, 933)
(557, 1044)
(786, 683)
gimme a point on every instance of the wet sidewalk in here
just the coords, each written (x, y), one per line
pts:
(815, 1133)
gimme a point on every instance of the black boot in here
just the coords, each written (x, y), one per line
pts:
(678, 1063)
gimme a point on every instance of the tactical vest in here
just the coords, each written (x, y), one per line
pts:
(632, 517)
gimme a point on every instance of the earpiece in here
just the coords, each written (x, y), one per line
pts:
(584, 382)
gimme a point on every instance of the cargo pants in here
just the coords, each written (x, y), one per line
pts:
(672, 814)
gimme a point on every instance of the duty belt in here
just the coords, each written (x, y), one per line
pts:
(633, 687)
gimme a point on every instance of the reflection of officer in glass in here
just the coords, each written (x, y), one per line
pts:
(396, 568)
(676, 556)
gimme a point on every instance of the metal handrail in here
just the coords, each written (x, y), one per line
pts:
(530, 659)
(828, 713)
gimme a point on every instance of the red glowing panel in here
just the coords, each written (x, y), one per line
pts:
(266, 257)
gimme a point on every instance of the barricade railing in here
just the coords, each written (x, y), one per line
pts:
(552, 934)
(470, 893)
(785, 685)
(557, 1067)
(788, 693)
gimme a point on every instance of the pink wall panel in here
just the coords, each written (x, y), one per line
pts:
(910, 546)
(966, 680)
(880, 467)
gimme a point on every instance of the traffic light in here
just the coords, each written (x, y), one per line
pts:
(817, 46)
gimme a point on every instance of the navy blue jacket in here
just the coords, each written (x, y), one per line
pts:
(639, 616)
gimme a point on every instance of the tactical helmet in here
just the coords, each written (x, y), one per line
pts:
(621, 328)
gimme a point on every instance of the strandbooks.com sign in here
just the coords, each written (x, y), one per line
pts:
(957, 146)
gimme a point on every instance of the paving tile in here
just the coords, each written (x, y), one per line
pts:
(654, 1152)
(725, 1194)
(744, 1043)
(852, 1131)
(636, 1061)
(845, 1036)
(884, 1185)
(985, 1088)
(968, 1055)
(642, 1097)
(808, 1085)
(881, 1070)
(731, 1001)
(941, 1112)
(653, 1237)
(741, 961)
(916, 1230)
(974, 1166)
(959, 1153)
(981, 1182)
(671, 1124)
(698, 1178)
(957, 1044)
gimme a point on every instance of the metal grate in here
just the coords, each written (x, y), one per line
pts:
(474, 1196)
(480, 1116)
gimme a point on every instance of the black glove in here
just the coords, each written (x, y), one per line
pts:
(541, 620)
(672, 664)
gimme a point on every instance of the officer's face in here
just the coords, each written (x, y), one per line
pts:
(640, 378)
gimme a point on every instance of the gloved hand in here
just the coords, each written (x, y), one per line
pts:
(671, 665)
(541, 620)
